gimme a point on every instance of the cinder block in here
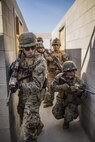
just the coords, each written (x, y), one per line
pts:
(88, 122)
(1, 25)
(8, 5)
(1, 42)
(89, 4)
(87, 17)
(4, 119)
(92, 53)
(2, 59)
(3, 107)
(91, 81)
(85, 60)
(2, 76)
(90, 105)
(10, 56)
(93, 68)
(3, 91)
(9, 43)
(0, 9)
(5, 135)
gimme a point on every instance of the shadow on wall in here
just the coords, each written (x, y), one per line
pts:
(1, 42)
(75, 55)
(88, 109)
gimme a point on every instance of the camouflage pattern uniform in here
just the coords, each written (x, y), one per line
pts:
(30, 88)
(40, 46)
(53, 68)
(71, 93)
(40, 39)
(41, 50)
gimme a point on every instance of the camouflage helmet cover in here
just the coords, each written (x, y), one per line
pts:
(56, 41)
(39, 39)
(40, 45)
(27, 40)
(69, 66)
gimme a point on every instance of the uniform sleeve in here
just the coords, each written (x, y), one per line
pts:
(55, 83)
(11, 68)
(64, 56)
(81, 93)
(80, 86)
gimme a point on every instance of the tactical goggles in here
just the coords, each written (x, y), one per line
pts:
(71, 70)
(55, 44)
(28, 48)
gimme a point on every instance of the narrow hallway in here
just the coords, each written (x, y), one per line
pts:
(53, 131)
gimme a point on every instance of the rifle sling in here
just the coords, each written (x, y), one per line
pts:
(32, 68)
(24, 77)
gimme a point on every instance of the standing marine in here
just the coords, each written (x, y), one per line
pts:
(30, 78)
(55, 59)
(40, 46)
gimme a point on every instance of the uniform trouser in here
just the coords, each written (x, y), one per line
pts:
(51, 76)
(58, 111)
(21, 106)
(68, 112)
(49, 93)
(31, 119)
(71, 112)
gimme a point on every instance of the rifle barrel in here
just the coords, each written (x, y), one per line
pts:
(8, 98)
(90, 91)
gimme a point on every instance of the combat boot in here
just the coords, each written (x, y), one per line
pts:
(66, 125)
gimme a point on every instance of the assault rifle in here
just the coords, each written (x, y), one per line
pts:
(55, 60)
(29, 71)
(62, 81)
(69, 96)
(8, 98)
(14, 82)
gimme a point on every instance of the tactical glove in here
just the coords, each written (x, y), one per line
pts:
(12, 88)
(13, 84)
(63, 87)
(49, 58)
(74, 88)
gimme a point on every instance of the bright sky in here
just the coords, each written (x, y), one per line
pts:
(43, 15)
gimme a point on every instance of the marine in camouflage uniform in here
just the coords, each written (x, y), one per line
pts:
(40, 46)
(71, 93)
(41, 50)
(54, 62)
(31, 73)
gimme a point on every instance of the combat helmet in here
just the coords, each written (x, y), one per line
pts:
(56, 41)
(69, 66)
(40, 45)
(39, 39)
(27, 40)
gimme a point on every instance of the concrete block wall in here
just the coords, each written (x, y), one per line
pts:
(4, 115)
(79, 22)
(7, 56)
